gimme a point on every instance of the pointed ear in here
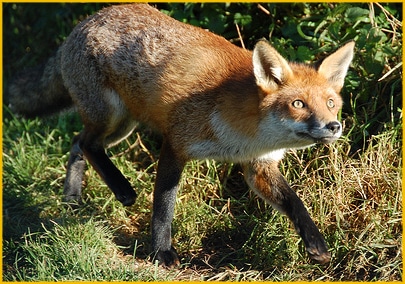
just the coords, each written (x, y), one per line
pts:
(334, 67)
(269, 67)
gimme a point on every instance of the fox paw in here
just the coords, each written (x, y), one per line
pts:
(75, 199)
(127, 200)
(319, 254)
(168, 258)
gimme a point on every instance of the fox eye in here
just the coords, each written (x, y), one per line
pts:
(330, 103)
(298, 104)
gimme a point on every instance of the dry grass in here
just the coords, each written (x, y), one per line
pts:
(221, 229)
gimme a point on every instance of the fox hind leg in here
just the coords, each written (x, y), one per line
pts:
(106, 122)
(74, 175)
(264, 177)
(90, 145)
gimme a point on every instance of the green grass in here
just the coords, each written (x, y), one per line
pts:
(221, 229)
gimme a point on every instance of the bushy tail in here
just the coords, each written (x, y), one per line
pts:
(39, 91)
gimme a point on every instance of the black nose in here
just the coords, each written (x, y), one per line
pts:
(333, 127)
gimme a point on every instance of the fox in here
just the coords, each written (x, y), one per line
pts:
(208, 98)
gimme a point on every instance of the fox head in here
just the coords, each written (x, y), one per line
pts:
(302, 100)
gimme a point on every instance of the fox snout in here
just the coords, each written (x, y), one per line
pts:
(333, 130)
(317, 132)
(326, 133)
(334, 127)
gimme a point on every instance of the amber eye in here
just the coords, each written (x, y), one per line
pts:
(330, 103)
(298, 104)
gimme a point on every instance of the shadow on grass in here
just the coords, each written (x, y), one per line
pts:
(240, 245)
(21, 217)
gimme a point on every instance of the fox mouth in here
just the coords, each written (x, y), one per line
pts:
(327, 140)
(316, 139)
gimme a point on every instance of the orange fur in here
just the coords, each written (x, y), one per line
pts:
(207, 97)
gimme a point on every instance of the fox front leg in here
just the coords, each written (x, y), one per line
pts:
(164, 199)
(264, 177)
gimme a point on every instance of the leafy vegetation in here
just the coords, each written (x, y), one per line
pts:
(222, 230)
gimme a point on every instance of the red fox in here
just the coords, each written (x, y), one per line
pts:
(207, 97)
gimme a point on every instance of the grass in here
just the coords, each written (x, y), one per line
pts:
(221, 229)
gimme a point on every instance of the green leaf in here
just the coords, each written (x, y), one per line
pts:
(242, 19)
(355, 14)
(303, 53)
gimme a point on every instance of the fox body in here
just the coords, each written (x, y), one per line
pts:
(207, 97)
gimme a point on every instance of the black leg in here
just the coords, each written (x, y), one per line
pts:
(166, 186)
(97, 157)
(74, 176)
(266, 180)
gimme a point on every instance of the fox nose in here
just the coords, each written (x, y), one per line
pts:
(333, 127)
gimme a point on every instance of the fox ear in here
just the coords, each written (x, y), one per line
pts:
(269, 67)
(334, 67)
